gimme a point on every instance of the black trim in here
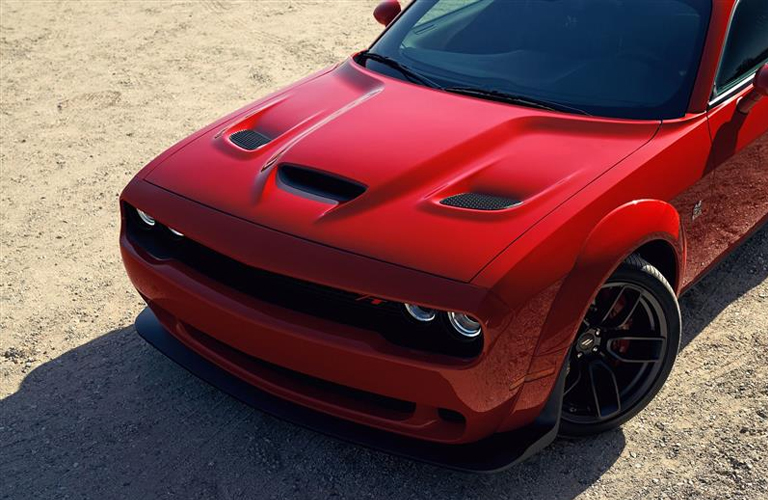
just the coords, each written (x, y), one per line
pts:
(493, 454)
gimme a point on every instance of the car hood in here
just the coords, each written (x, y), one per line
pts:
(409, 147)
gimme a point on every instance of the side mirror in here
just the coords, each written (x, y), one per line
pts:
(387, 11)
(761, 90)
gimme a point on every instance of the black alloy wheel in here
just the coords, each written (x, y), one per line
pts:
(624, 350)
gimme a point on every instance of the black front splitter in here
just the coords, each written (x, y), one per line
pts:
(492, 454)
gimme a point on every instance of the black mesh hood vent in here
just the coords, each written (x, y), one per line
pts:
(249, 139)
(476, 201)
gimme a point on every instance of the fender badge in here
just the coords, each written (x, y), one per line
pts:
(697, 210)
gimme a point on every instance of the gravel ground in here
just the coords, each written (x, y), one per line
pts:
(93, 90)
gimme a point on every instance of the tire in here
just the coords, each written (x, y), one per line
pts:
(624, 350)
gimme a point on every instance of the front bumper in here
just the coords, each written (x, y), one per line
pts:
(338, 370)
(491, 454)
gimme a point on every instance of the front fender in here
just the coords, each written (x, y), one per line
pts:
(613, 239)
(616, 236)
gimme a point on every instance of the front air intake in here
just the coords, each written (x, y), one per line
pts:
(249, 139)
(319, 184)
(476, 201)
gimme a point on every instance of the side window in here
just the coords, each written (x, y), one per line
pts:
(746, 48)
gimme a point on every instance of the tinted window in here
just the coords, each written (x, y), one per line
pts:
(617, 58)
(747, 45)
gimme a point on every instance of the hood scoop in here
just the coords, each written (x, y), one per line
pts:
(477, 201)
(249, 139)
(317, 184)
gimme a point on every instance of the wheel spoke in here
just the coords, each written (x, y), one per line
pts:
(632, 300)
(576, 369)
(605, 315)
(605, 390)
(638, 349)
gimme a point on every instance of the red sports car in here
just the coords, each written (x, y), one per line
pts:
(471, 236)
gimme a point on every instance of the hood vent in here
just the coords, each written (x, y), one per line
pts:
(476, 201)
(249, 139)
(319, 184)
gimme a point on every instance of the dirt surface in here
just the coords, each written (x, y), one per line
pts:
(93, 90)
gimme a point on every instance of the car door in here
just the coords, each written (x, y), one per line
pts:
(739, 154)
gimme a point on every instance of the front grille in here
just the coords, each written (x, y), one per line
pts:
(386, 318)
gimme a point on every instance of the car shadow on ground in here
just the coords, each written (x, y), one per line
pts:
(115, 419)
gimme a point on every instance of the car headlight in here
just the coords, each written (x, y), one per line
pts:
(146, 218)
(421, 313)
(466, 326)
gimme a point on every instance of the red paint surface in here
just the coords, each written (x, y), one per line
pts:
(593, 191)
(387, 11)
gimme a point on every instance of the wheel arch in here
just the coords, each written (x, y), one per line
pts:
(650, 228)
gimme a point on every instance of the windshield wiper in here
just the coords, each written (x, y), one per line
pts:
(405, 70)
(497, 95)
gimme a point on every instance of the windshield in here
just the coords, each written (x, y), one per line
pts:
(615, 58)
